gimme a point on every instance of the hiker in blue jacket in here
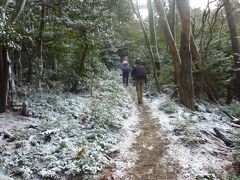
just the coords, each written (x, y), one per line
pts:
(139, 75)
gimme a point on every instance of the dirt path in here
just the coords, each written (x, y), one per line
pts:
(149, 148)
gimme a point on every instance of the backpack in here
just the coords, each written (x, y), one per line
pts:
(125, 67)
(140, 72)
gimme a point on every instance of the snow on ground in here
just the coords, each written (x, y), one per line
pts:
(127, 158)
(45, 143)
(190, 138)
(65, 135)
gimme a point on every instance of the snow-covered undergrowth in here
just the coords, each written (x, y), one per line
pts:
(191, 140)
(234, 109)
(67, 135)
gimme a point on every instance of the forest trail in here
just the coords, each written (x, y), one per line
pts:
(148, 147)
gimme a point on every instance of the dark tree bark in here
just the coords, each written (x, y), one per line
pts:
(170, 40)
(4, 82)
(235, 46)
(4, 66)
(29, 73)
(84, 56)
(186, 79)
(4, 61)
(226, 140)
(197, 60)
(24, 110)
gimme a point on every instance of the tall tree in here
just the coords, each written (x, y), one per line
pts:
(172, 16)
(40, 44)
(4, 58)
(170, 40)
(4, 84)
(148, 44)
(235, 46)
(182, 61)
(3, 65)
(186, 90)
(153, 39)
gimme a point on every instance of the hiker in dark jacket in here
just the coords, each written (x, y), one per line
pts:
(125, 70)
(140, 76)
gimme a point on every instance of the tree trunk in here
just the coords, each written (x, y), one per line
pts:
(83, 58)
(153, 39)
(29, 73)
(12, 85)
(186, 79)
(4, 3)
(17, 9)
(4, 61)
(235, 47)
(226, 140)
(147, 40)
(170, 40)
(172, 16)
(19, 73)
(40, 45)
(4, 83)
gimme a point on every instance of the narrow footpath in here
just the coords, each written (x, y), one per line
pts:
(148, 147)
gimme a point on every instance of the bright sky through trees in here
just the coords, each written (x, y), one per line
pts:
(193, 3)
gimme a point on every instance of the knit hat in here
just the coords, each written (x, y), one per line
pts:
(138, 61)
